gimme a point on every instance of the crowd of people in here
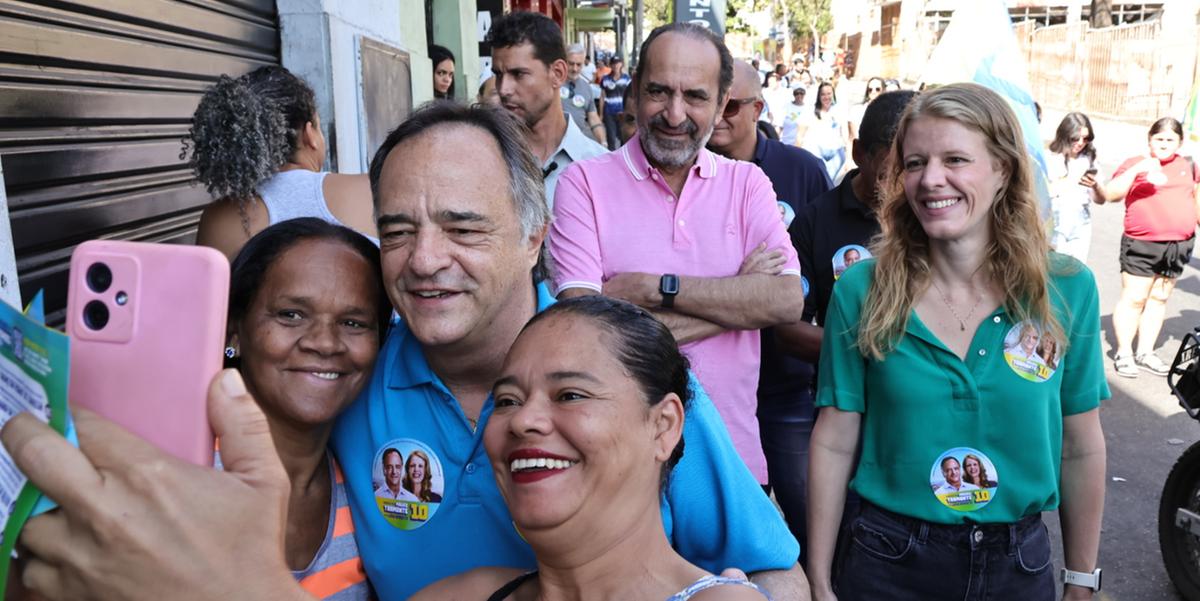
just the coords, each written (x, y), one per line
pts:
(471, 373)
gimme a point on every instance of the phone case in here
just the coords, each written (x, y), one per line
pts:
(148, 365)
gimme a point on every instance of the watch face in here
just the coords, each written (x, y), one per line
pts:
(669, 284)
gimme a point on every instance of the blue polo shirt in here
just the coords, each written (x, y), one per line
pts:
(785, 382)
(714, 511)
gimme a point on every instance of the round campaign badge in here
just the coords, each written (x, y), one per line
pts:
(787, 212)
(409, 482)
(964, 479)
(564, 93)
(578, 101)
(846, 256)
(1031, 352)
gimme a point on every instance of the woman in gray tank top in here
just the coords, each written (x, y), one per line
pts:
(257, 146)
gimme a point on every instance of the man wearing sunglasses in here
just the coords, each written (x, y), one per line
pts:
(785, 397)
(690, 235)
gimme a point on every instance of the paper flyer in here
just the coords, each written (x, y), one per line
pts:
(34, 364)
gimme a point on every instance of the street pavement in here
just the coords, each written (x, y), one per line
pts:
(1144, 426)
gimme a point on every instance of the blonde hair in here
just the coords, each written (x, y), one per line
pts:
(1017, 255)
(426, 492)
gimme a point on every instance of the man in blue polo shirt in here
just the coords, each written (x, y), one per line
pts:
(785, 393)
(460, 242)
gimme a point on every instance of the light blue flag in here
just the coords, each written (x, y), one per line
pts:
(979, 46)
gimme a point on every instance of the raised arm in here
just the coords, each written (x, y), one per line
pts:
(134, 523)
(1119, 185)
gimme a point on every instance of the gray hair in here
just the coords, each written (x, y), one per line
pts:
(524, 175)
(575, 49)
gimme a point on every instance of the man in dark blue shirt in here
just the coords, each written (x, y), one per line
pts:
(835, 230)
(613, 87)
(785, 400)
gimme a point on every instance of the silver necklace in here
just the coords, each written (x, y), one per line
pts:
(962, 323)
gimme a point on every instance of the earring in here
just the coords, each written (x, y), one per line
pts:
(230, 352)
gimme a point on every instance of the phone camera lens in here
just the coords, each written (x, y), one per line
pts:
(122, 298)
(99, 277)
(95, 315)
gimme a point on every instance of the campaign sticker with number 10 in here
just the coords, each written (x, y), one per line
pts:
(964, 479)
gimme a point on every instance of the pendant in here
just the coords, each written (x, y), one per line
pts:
(962, 327)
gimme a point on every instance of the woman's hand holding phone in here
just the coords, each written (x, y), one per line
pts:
(1089, 178)
(136, 523)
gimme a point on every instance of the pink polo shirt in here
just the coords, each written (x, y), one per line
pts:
(615, 214)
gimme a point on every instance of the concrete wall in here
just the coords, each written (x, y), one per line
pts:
(320, 44)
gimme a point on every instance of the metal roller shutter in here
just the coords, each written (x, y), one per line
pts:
(95, 99)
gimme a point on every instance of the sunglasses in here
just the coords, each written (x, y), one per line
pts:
(874, 89)
(1077, 139)
(735, 106)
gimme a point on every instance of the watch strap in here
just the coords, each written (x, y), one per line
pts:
(668, 287)
(1089, 580)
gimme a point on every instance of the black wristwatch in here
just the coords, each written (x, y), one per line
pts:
(668, 287)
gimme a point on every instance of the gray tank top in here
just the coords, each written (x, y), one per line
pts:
(297, 193)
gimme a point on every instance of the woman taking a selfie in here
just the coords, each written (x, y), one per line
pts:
(962, 274)
(306, 314)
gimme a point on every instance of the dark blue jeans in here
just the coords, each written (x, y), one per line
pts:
(889, 556)
(785, 444)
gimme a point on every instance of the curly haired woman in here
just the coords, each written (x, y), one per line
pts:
(257, 146)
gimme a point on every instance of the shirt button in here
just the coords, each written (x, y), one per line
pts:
(682, 222)
(470, 468)
(996, 319)
(982, 352)
(978, 536)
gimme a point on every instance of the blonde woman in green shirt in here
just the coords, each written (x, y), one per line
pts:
(917, 364)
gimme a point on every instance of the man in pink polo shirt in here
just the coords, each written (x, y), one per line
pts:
(693, 236)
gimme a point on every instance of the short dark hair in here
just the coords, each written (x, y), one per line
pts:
(437, 54)
(536, 29)
(250, 266)
(1164, 124)
(699, 32)
(244, 129)
(640, 342)
(881, 118)
(389, 451)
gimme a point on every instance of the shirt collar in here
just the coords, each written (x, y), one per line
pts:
(573, 143)
(409, 368)
(847, 200)
(640, 167)
(760, 149)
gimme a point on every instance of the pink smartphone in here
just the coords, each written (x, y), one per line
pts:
(147, 328)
